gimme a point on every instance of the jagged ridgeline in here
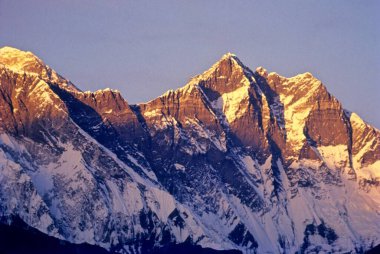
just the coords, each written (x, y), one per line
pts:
(234, 160)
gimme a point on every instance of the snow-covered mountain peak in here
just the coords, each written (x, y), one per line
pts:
(307, 77)
(227, 61)
(25, 62)
(229, 55)
(105, 91)
(228, 77)
(14, 52)
(231, 59)
(228, 74)
(21, 61)
(10, 51)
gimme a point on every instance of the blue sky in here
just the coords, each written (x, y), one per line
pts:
(144, 48)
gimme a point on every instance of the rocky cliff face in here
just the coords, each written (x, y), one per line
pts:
(235, 159)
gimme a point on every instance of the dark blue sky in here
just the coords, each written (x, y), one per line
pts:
(144, 48)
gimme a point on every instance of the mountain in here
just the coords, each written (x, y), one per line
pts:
(234, 160)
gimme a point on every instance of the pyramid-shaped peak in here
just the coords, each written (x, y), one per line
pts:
(229, 55)
(226, 75)
(224, 68)
(229, 60)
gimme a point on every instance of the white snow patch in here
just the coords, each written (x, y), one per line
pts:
(179, 167)
(335, 157)
(153, 113)
(231, 104)
(148, 172)
(296, 112)
(251, 167)
(371, 171)
(161, 202)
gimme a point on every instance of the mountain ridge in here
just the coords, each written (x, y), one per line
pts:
(224, 162)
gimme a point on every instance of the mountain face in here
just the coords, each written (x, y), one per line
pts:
(235, 159)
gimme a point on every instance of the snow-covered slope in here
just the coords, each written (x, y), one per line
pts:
(235, 159)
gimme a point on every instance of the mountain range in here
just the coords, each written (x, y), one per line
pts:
(234, 160)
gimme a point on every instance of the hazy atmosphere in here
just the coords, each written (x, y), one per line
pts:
(144, 48)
